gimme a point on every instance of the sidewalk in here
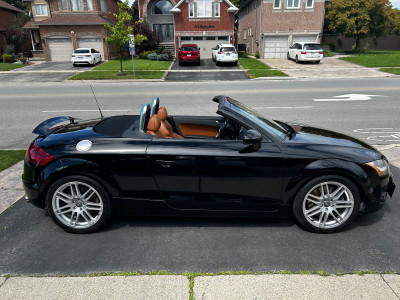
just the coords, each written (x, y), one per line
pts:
(176, 287)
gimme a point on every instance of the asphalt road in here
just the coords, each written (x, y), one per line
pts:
(31, 244)
(24, 106)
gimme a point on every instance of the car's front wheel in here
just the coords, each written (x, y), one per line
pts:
(327, 204)
(297, 59)
(78, 204)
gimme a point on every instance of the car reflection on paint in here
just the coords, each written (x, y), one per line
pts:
(237, 163)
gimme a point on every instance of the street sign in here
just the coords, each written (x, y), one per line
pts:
(131, 50)
(132, 41)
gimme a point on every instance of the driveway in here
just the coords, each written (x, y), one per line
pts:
(43, 72)
(206, 71)
(329, 67)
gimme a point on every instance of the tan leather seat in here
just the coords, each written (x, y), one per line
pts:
(166, 128)
(153, 127)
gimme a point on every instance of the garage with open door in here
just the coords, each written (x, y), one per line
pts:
(275, 46)
(205, 43)
(91, 42)
(59, 49)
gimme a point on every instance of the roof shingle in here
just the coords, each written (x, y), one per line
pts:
(73, 19)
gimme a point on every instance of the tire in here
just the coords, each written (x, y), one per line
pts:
(72, 211)
(94, 62)
(179, 63)
(317, 61)
(100, 59)
(327, 214)
(297, 59)
(217, 63)
(288, 56)
(235, 63)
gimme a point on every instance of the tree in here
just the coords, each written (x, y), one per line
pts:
(18, 4)
(17, 35)
(119, 34)
(151, 42)
(360, 19)
(135, 11)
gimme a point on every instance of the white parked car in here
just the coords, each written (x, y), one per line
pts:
(225, 53)
(306, 51)
(85, 56)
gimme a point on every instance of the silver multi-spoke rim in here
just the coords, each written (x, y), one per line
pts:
(328, 205)
(77, 205)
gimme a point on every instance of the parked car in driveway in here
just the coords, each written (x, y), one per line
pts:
(237, 163)
(306, 51)
(225, 53)
(85, 56)
(189, 53)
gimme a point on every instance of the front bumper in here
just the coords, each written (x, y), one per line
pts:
(380, 189)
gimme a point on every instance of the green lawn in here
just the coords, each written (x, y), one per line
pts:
(140, 64)
(256, 68)
(98, 75)
(9, 67)
(10, 157)
(376, 59)
(395, 71)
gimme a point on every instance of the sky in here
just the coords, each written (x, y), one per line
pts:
(395, 3)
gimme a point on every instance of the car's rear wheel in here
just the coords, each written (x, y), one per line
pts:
(297, 59)
(317, 61)
(327, 204)
(78, 204)
(288, 56)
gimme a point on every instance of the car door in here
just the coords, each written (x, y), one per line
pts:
(217, 175)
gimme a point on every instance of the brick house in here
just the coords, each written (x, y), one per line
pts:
(7, 14)
(203, 22)
(272, 26)
(60, 26)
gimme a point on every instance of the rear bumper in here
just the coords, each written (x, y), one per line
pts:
(82, 61)
(305, 58)
(227, 59)
(189, 59)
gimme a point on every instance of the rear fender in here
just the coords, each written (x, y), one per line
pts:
(325, 167)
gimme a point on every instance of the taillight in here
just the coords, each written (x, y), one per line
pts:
(73, 55)
(234, 52)
(320, 52)
(87, 55)
(303, 52)
(219, 52)
(36, 155)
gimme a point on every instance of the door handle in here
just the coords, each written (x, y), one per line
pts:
(165, 163)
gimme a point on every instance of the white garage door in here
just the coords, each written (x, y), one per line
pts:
(205, 43)
(59, 49)
(275, 46)
(304, 38)
(94, 43)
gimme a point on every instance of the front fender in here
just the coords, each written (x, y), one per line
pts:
(325, 167)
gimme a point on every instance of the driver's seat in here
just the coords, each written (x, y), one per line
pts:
(166, 128)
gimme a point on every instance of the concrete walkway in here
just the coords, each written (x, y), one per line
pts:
(329, 67)
(227, 287)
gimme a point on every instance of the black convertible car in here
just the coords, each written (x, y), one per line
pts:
(236, 164)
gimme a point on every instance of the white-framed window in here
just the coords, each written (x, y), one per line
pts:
(309, 3)
(64, 5)
(293, 3)
(191, 9)
(41, 9)
(277, 4)
(244, 34)
(89, 4)
(103, 5)
(216, 9)
(204, 8)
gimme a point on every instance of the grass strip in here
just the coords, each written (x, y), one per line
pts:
(375, 59)
(10, 157)
(255, 73)
(9, 66)
(140, 64)
(99, 75)
(256, 68)
(395, 71)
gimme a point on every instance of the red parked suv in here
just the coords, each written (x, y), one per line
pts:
(189, 53)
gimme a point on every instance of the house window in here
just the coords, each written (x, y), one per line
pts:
(191, 9)
(277, 4)
(165, 32)
(89, 4)
(244, 34)
(293, 4)
(103, 5)
(161, 7)
(41, 9)
(216, 9)
(204, 8)
(64, 5)
(77, 5)
(310, 4)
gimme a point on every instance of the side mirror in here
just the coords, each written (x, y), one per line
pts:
(253, 137)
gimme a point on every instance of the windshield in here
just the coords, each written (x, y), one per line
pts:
(312, 47)
(269, 125)
(81, 51)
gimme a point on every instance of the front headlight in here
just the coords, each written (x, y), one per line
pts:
(380, 166)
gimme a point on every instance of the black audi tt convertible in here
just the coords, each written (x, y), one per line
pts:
(236, 164)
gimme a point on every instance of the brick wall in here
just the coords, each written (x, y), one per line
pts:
(6, 17)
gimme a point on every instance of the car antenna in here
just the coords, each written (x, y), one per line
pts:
(98, 106)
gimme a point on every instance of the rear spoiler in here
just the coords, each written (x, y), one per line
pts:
(43, 129)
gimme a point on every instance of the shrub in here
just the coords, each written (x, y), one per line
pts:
(144, 54)
(163, 57)
(152, 56)
(160, 49)
(257, 54)
(328, 53)
(9, 49)
(331, 46)
(7, 58)
(23, 59)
